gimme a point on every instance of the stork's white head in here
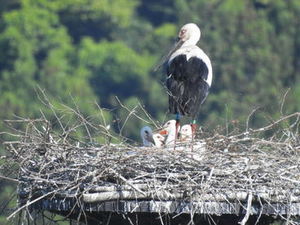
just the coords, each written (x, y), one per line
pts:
(186, 132)
(189, 34)
(170, 126)
(147, 136)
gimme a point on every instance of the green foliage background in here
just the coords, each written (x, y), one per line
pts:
(87, 51)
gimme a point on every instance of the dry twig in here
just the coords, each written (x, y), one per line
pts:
(223, 169)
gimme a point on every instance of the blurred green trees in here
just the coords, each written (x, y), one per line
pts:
(87, 51)
(96, 50)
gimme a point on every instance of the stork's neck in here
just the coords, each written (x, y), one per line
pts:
(171, 136)
(190, 42)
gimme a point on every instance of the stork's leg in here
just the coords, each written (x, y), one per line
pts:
(194, 129)
(177, 125)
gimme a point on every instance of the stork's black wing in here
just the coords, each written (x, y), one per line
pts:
(186, 84)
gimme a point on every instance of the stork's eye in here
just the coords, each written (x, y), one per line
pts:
(183, 31)
(146, 132)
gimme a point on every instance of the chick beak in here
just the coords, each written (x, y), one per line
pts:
(150, 139)
(163, 132)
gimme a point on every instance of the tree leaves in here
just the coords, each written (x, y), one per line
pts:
(96, 50)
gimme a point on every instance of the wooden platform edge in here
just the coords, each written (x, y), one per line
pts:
(167, 207)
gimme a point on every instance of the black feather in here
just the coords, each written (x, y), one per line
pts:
(187, 85)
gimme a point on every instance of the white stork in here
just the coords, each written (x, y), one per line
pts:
(189, 75)
(169, 129)
(186, 133)
(151, 139)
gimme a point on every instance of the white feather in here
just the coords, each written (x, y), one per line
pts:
(190, 49)
(194, 51)
(186, 133)
(170, 127)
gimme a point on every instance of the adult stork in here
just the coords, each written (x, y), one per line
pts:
(189, 75)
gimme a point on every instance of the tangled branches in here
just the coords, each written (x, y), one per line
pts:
(252, 167)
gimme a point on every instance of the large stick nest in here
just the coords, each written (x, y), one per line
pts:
(262, 163)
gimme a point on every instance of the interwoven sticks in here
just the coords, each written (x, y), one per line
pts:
(246, 167)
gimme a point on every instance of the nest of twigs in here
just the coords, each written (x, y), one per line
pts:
(258, 165)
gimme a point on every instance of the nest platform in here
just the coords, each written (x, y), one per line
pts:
(243, 176)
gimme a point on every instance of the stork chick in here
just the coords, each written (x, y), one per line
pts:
(149, 139)
(186, 133)
(170, 129)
